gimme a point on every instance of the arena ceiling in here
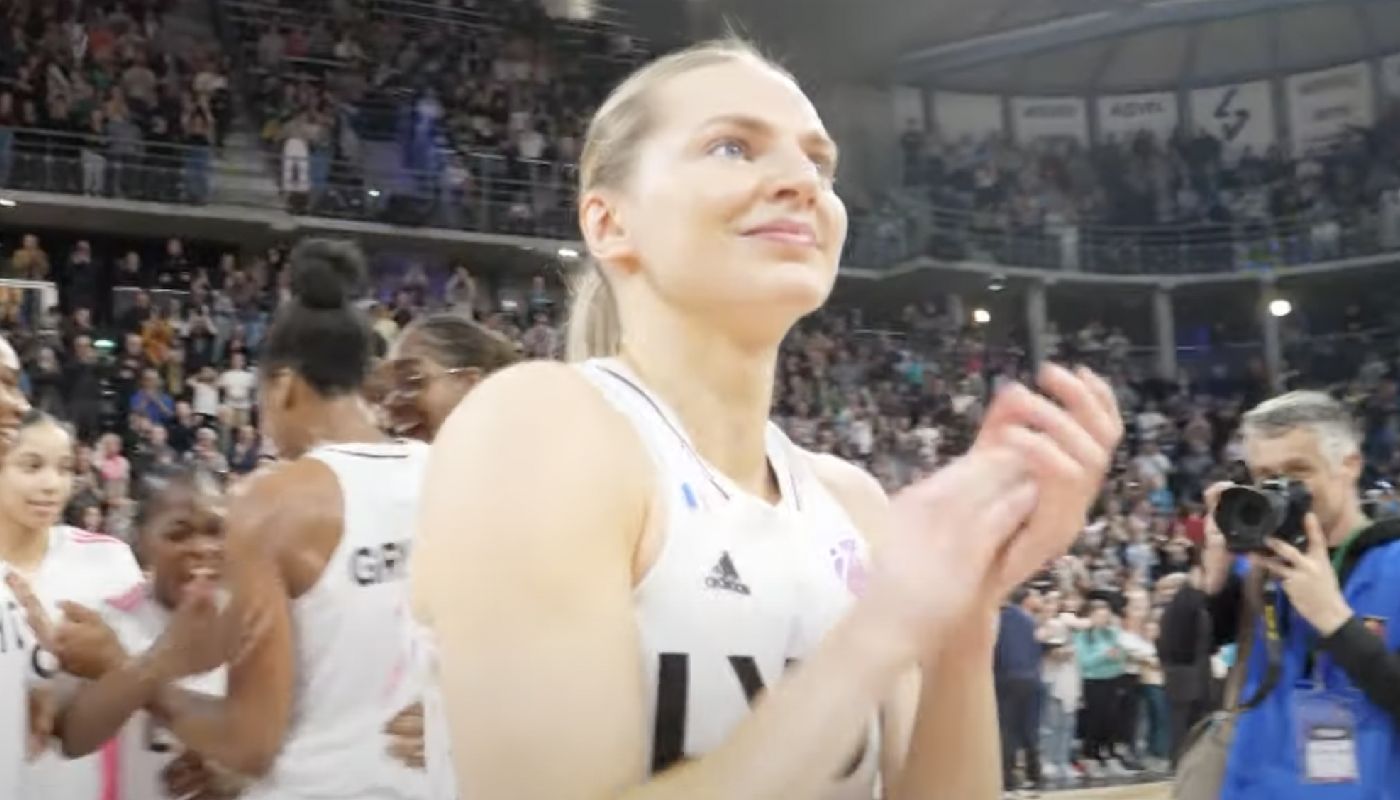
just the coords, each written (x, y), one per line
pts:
(1045, 46)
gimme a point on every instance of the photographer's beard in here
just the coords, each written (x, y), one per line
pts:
(1332, 481)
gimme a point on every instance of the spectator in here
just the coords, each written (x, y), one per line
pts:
(204, 387)
(1184, 648)
(47, 384)
(210, 467)
(151, 401)
(30, 261)
(83, 379)
(244, 454)
(183, 428)
(129, 272)
(78, 282)
(1017, 670)
(1102, 662)
(113, 468)
(1062, 683)
(238, 384)
(134, 319)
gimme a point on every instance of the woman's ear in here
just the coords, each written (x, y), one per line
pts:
(604, 229)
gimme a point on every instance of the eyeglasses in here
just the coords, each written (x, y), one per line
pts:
(409, 377)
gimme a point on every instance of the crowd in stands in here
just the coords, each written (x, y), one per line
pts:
(114, 99)
(1038, 201)
(151, 354)
(482, 99)
(469, 115)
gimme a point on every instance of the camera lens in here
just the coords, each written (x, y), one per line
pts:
(1249, 515)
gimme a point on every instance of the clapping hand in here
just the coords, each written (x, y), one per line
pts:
(84, 645)
(1067, 440)
(200, 636)
(405, 732)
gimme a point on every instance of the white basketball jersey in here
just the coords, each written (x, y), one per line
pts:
(84, 568)
(15, 647)
(144, 747)
(437, 738)
(354, 639)
(740, 589)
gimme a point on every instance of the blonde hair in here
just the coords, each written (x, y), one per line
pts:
(614, 135)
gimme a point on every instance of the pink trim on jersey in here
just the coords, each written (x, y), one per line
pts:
(111, 770)
(88, 537)
(129, 600)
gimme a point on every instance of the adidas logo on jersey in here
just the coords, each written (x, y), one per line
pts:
(724, 576)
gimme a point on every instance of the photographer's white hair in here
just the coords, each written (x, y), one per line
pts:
(1328, 419)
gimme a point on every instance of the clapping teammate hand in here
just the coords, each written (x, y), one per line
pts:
(83, 644)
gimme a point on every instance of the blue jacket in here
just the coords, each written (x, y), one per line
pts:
(1017, 651)
(1263, 763)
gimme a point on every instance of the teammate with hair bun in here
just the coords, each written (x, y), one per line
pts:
(316, 632)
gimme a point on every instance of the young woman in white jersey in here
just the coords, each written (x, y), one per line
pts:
(316, 556)
(64, 567)
(15, 643)
(430, 367)
(181, 540)
(647, 555)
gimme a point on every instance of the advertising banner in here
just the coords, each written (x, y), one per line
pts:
(1124, 116)
(1240, 115)
(1035, 118)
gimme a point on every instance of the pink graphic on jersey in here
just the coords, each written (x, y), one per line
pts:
(111, 771)
(850, 567)
(129, 600)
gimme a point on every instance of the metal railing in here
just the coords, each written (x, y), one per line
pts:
(893, 237)
(416, 13)
(490, 193)
(478, 192)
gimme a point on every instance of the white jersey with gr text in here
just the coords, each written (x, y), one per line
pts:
(355, 639)
(87, 569)
(144, 747)
(740, 591)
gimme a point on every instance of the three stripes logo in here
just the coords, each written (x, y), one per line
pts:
(723, 576)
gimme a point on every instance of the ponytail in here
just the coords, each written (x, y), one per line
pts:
(594, 330)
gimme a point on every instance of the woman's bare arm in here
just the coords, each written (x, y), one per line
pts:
(941, 738)
(539, 645)
(244, 730)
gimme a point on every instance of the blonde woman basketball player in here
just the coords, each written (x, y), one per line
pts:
(639, 586)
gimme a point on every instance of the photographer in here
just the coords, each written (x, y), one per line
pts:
(1330, 724)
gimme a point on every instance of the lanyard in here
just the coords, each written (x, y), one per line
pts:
(1311, 665)
(1339, 558)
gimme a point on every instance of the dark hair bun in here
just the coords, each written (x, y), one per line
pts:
(326, 272)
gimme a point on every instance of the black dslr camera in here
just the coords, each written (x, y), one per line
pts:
(1249, 516)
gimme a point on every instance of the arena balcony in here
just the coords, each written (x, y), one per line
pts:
(513, 217)
(484, 194)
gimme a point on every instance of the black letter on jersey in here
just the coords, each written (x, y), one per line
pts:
(672, 692)
(673, 695)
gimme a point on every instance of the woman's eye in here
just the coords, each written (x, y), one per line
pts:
(825, 167)
(729, 148)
